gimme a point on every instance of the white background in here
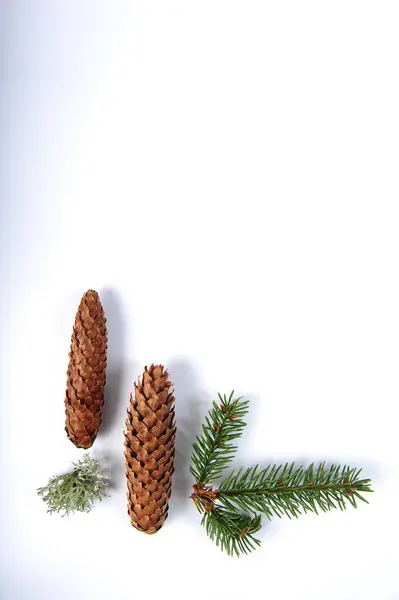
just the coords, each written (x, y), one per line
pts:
(225, 174)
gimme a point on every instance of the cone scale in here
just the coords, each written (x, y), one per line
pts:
(150, 449)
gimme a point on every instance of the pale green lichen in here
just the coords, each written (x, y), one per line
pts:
(77, 490)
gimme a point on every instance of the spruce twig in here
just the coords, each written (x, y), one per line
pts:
(77, 490)
(290, 490)
(213, 450)
(232, 531)
(232, 512)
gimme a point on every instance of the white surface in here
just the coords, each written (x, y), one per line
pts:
(225, 174)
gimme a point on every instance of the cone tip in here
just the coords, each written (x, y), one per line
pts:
(91, 293)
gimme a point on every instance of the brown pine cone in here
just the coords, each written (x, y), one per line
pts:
(150, 449)
(84, 396)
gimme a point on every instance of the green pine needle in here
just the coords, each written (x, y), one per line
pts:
(77, 490)
(231, 513)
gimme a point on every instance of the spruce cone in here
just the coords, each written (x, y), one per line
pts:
(84, 396)
(150, 449)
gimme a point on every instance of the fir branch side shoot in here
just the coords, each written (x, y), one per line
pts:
(232, 511)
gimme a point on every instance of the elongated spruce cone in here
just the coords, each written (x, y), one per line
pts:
(84, 396)
(150, 449)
